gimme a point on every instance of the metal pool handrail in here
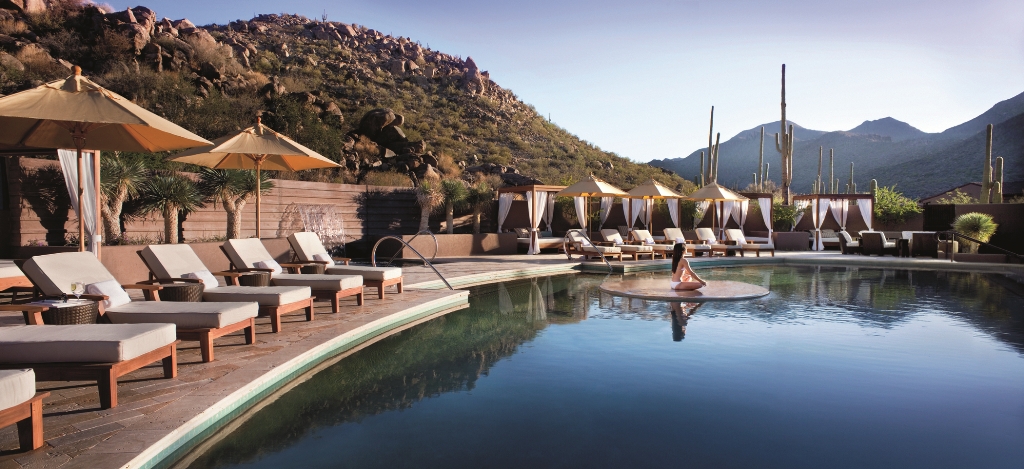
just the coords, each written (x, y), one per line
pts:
(953, 235)
(565, 246)
(431, 233)
(373, 257)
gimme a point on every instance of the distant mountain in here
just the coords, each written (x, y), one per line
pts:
(888, 150)
(889, 127)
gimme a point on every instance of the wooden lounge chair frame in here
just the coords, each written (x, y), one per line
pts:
(105, 374)
(149, 289)
(266, 311)
(576, 247)
(334, 295)
(380, 285)
(29, 417)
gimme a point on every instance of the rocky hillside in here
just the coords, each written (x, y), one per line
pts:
(893, 152)
(387, 108)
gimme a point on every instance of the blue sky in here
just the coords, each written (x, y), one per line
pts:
(639, 77)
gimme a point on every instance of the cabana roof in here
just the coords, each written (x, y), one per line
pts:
(832, 196)
(530, 188)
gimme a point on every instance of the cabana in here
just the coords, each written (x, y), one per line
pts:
(839, 205)
(725, 202)
(540, 205)
(643, 196)
(764, 199)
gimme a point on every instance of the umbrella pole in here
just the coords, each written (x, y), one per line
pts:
(259, 187)
(81, 201)
(99, 207)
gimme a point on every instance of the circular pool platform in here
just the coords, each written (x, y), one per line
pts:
(658, 290)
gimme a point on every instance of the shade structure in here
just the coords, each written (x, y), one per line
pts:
(77, 113)
(591, 187)
(715, 194)
(649, 190)
(257, 147)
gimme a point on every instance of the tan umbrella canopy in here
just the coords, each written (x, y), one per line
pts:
(715, 194)
(650, 190)
(77, 113)
(257, 147)
(591, 187)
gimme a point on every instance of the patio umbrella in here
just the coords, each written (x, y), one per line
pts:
(257, 147)
(715, 194)
(591, 187)
(77, 113)
(650, 190)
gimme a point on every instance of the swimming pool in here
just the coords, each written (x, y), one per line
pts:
(838, 367)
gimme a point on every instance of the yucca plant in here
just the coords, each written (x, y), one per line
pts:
(480, 197)
(430, 198)
(233, 189)
(171, 195)
(120, 179)
(975, 225)
(454, 191)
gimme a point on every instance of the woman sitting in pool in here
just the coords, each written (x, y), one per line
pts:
(683, 277)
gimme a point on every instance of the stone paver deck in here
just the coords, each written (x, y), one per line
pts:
(155, 411)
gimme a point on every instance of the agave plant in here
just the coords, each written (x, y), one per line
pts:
(430, 198)
(233, 189)
(975, 225)
(171, 195)
(120, 179)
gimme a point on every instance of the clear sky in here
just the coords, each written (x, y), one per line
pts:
(639, 77)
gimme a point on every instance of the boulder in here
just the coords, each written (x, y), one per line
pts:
(375, 120)
(472, 80)
(183, 24)
(332, 108)
(8, 62)
(27, 6)
(210, 71)
(145, 17)
(346, 30)
(138, 35)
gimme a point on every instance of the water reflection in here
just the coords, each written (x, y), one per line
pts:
(681, 312)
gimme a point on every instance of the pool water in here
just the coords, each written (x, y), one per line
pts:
(838, 367)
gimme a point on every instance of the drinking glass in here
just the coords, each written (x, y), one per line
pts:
(77, 288)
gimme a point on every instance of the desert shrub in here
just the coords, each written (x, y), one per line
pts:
(12, 27)
(112, 48)
(979, 226)
(783, 216)
(892, 207)
(957, 197)
(387, 179)
(448, 166)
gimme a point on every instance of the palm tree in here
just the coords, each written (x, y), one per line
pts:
(455, 193)
(171, 195)
(120, 179)
(232, 188)
(430, 198)
(479, 197)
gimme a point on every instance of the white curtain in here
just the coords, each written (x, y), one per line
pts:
(819, 218)
(535, 216)
(766, 212)
(69, 165)
(581, 209)
(723, 216)
(739, 212)
(702, 209)
(504, 203)
(637, 206)
(648, 213)
(549, 211)
(606, 209)
(839, 211)
(866, 206)
(505, 305)
(801, 206)
(673, 211)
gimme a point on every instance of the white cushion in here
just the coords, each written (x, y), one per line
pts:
(54, 273)
(321, 257)
(706, 234)
(116, 296)
(368, 273)
(319, 282)
(306, 245)
(209, 280)
(270, 264)
(185, 315)
(246, 253)
(16, 387)
(265, 296)
(635, 248)
(169, 261)
(82, 343)
(649, 240)
(680, 240)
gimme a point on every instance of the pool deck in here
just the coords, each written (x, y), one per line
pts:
(159, 418)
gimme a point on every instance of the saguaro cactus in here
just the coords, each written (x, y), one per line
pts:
(832, 187)
(784, 145)
(874, 187)
(986, 174)
(702, 169)
(759, 177)
(817, 182)
(851, 187)
(714, 177)
(997, 185)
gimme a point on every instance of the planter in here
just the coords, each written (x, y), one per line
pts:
(459, 245)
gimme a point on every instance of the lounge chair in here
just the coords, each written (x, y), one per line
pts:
(707, 236)
(170, 263)
(676, 234)
(736, 235)
(249, 255)
(924, 244)
(644, 237)
(20, 404)
(579, 245)
(847, 245)
(307, 249)
(53, 274)
(88, 352)
(613, 237)
(874, 242)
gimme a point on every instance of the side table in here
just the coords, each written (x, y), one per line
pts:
(186, 292)
(254, 279)
(64, 313)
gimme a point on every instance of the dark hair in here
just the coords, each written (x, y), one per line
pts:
(677, 254)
